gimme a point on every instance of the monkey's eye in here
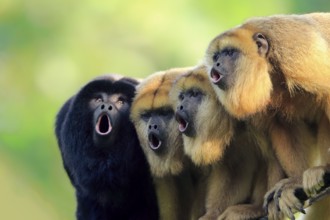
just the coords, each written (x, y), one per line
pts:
(181, 96)
(228, 52)
(98, 100)
(145, 116)
(195, 92)
(216, 56)
(121, 100)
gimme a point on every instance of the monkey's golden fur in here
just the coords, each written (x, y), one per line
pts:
(299, 52)
(238, 178)
(171, 169)
(151, 94)
(284, 91)
(202, 150)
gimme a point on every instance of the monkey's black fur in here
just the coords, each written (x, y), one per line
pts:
(107, 168)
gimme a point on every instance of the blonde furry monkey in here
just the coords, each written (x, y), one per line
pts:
(238, 178)
(274, 72)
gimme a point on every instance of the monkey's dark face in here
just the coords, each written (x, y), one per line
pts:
(107, 112)
(223, 70)
(185, 114)
(153, 118)
(157, 122)
(92, 122)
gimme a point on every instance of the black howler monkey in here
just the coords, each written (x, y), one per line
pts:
(101, 153)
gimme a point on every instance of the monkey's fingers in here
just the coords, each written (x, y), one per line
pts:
(289, 203)
(268, 198)
(290, 198)
(272, 214)
(300, 194)
(315, 179)
(277, 197)
(286, 210)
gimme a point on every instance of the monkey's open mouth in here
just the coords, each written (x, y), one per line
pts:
(154, 141)
(103, 125)
(216, 76)
(183, 124)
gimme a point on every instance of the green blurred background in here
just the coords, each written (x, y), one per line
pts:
(49, 49)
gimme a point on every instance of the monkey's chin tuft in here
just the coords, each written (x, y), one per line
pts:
(216, 76)
(103, 125)
(154, 141)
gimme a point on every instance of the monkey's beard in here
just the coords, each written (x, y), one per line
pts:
(215, 130)
(250, 92)
(169, 161)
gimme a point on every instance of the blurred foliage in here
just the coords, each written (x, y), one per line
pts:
(48, 49)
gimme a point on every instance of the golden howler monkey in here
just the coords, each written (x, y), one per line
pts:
(275, 73)
(238, 179)
(161, 142)
(102, 155)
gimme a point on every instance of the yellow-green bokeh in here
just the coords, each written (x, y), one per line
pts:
(48, 49)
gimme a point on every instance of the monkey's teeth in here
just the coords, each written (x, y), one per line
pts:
(103, 125)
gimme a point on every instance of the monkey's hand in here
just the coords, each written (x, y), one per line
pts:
(316, 179)
(270, 206)
(287, 197)
(208, 216)
(273, 213)
(241, 212)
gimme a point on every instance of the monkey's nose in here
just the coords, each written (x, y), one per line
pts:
(154, 126)
(106, 106)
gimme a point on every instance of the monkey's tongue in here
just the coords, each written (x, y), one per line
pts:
(216, 76)
(154, 141)
(183, 124)
(103, 125)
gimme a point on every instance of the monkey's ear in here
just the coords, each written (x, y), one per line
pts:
(262, 43)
